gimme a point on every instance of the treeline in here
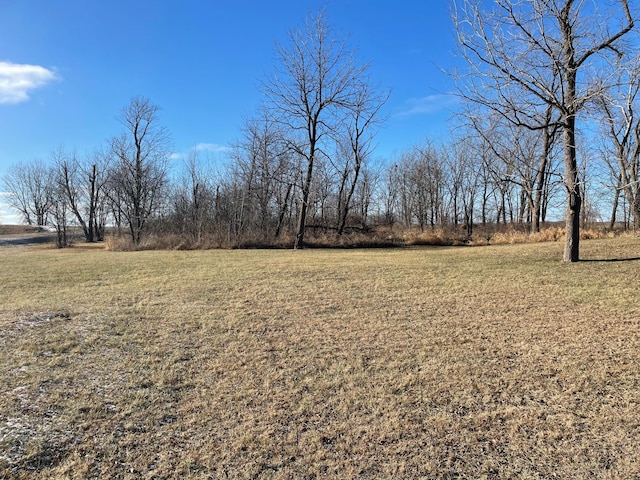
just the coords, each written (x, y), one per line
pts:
(304, 168)
(133, 189)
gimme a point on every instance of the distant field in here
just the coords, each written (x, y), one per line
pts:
(17, 230)
(483, 362)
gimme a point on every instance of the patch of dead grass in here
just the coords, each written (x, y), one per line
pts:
(494, 362)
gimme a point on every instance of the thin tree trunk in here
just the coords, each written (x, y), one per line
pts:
(302, 217)
(352, 188)
(614, 209)
(283, 210)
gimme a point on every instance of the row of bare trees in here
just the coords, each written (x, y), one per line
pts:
(491, 173)
(57, 193)
(122, 184)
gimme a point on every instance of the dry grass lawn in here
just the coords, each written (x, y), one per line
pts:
(484, 362)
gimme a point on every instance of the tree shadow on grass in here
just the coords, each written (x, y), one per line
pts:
(606, 260)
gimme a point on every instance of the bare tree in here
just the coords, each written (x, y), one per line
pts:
(16, 183)
(30, 187)
(463, 165)
(314, 84)
(83, 183)
(621, 126)
(194, 199)
(416, 187)
(367, 191)
(140, 173)
(527, 55)
(389, 194)
(59, 210)
(265, 173)
(528, 155)
(363, 116)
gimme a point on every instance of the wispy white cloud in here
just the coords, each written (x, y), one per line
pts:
(17, 80)
(211, 147)
(426, 105)
(201, 148)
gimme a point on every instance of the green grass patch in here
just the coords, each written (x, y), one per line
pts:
(480, 362)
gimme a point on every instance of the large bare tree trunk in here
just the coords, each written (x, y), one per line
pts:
(574, 202)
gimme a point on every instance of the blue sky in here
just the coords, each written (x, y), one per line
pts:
(67, 67)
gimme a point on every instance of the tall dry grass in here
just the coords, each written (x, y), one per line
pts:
(380, 237)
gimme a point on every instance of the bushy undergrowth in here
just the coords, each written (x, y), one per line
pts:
(379, 237)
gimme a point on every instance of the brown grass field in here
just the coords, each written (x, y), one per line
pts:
(422, 362)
